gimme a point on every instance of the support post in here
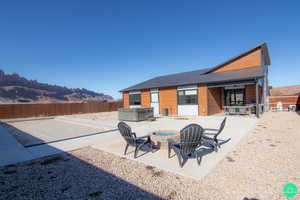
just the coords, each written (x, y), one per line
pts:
(256, 95)
(266, 91)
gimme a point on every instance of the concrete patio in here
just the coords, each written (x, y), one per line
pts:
(236, 128)
(32, 132)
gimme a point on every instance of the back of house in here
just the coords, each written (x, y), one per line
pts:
(240, 81)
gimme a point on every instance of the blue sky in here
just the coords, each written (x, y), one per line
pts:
(109, 45)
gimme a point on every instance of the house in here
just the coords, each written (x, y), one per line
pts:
(286, 90)
(287, 96)
(240, 81)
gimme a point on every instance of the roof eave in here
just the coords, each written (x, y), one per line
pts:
(200, 82)
(237, 79)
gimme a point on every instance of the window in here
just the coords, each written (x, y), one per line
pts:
(154, 97)
(134, 99)
(234, 97)
(187, 97)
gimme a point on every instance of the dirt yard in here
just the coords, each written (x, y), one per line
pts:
(102, 116)
(261, 164)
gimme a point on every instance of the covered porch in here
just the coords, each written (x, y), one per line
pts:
(238, 97)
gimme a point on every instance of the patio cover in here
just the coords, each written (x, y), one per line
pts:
(233, 83)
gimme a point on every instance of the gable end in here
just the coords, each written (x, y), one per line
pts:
(257, 56)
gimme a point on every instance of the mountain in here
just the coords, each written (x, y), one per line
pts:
(14, 88)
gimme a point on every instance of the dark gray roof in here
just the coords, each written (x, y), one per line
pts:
(205, 75)
(199, 76)
(169, 80)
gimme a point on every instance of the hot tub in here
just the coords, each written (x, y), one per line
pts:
(135, 114)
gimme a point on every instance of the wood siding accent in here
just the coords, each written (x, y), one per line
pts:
(202, 99)
(252, 59)
(214, 101)
(222, 98)
(168, 99)
(126, 99)
(10, 111)
(145, 95)
(250, 96)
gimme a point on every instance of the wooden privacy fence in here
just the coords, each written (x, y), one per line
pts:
(285, 100)
(9, 111)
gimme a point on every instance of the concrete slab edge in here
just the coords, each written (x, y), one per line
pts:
(21, 153)
(25, 119)
(86, 121)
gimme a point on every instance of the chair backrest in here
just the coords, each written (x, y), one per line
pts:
(221, 127)
(190, 138)
(126, 133)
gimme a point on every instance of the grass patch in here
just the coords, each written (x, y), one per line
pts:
(30, 163)
(172, 195)
(229, 159)
(66, 188)
(10, 171)
(13, 188)
(154, 173)
(181, 118)
(51, 160)
(157, 174)
(95, 194)
(148, 167)
(11, 165)
(53, 177)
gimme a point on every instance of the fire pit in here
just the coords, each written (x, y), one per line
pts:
(160, 138)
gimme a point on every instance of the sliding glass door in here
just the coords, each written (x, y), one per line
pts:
(234, 97)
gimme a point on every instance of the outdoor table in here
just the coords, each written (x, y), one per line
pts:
(160, 138)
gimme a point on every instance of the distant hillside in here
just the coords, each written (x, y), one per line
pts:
(287, 90)
(14, 88)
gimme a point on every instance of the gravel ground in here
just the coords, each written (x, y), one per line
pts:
(101, 116)
(258, 168)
